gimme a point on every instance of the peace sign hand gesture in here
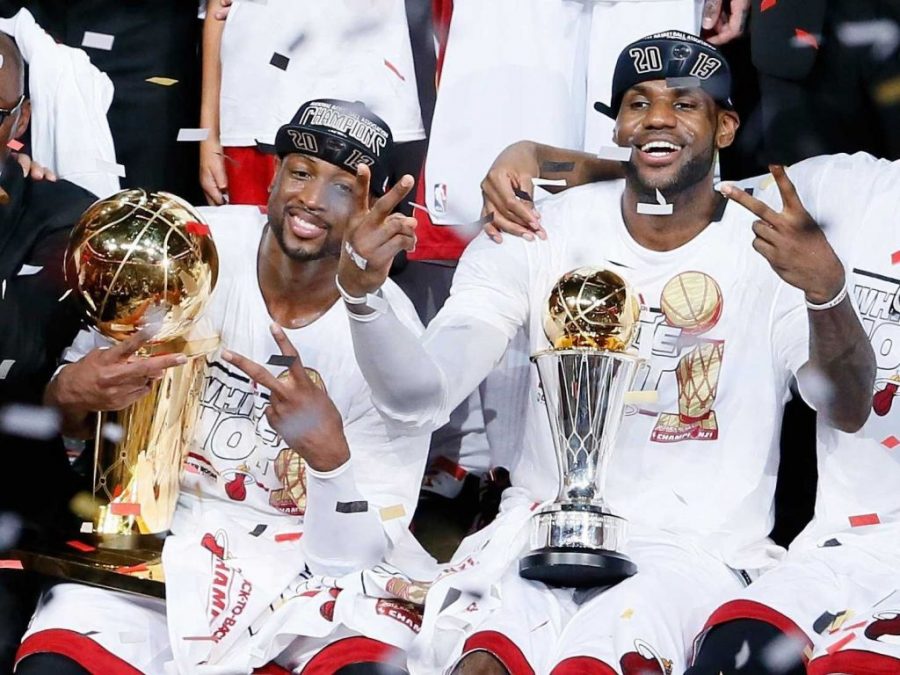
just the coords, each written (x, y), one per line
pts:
(792, 241)
(299, 409)
(374, 236)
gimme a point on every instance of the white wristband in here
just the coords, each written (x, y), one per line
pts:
(376, 303)
(834, 302)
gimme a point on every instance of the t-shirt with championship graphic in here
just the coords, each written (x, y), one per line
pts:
(722, 337)
(854, 199)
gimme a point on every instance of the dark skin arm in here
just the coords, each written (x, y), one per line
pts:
(839, 351)
(512, 172)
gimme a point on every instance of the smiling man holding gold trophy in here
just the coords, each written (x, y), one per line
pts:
(290, 539)
(724, 328)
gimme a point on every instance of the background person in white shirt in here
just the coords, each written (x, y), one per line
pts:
(697, 490)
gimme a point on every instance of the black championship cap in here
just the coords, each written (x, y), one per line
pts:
(340, 133)
(682, 59)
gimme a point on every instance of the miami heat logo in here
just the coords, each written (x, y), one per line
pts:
(236, 482)
(644, 661)
(692, 301)
(222, 576)
(885, 628)
(883, 399)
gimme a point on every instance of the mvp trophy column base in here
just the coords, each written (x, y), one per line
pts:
(576, 546)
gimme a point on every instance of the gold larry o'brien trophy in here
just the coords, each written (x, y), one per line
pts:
(139, 260)
(590, 319)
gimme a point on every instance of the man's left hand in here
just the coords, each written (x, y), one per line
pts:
(298, 409)
(792, 241)
(724, 20)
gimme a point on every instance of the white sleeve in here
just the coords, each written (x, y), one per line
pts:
(418, 382)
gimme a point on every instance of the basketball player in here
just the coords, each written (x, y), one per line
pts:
(291, 527)
(724, 330)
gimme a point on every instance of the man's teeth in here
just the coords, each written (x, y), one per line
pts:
(660, 147)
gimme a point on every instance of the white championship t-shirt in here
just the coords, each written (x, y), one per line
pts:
(723, 335)
(277, 55)
(856, 199)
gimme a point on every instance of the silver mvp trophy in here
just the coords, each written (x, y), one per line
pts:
(590, 319)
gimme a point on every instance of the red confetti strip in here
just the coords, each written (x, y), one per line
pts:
(806, 38)
(80, 546)
(142, 567)
(895, 258)
(891, 442)
(15, 145)
(856, 625)
(450, 467)
(864, 519)
(394, 70)
(831, 649)
(124, 509)
(288, 536)
(11, 565)
(767, 4)
(194, 227)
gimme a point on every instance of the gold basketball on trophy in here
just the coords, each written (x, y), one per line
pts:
(591, 307)
(142, 259)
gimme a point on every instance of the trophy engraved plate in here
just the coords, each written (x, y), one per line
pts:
(138, 261)
(590, 319)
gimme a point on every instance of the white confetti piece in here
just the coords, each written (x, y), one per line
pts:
(10, 528)
(783, 653)
(65, 295)
(882, 34)
(614, 152)
(87, 528)
(5, 365)
(29, 421)
(743, 655)
(659, 209)
(3, 290)
(97, 40)
(687, 82)
(192, 135)
(548, 181)
(112, 432)
(28, 270)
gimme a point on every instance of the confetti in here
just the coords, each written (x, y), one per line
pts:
(87, 528)
(10, 528)
(393, 69)
(803, 38)
(29, 421)
(895, 258)
(557, 167)
(864, 519)
(29, 270)
(280, 61)
(831, 543)
(80, 546)
(548, 181)
(627, 614)
(201, 229)
(65, 295)
(3, 290)
(11, 565)
(112, 432)
(832, 648)
(688, 82)
(258, 530)
(15, 145)
(767, 4)
(288, 536)
(391, 512)
(131, 569)
(882, 34)
(110, 167)
(615, 153)
(281, 360)
(891, 442)
(659, 209)
(162, 81)
(125, 509)
(360, 506)
(192, 135)
(783, 653)
(743, 655)
(97, 40)
(5, 365)
(521, 194)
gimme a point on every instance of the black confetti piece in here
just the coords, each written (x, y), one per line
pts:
(557, 167)
(352, 507)
(258, 530)
(280, 61)
(281, 360)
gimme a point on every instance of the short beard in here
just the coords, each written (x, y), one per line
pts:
(687, 177)
(327, 250)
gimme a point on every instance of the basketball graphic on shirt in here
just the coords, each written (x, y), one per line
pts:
(692, 301)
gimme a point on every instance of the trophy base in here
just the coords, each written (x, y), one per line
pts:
(576, 568)
(101, 561)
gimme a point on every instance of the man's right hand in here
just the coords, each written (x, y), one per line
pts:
(374, 236)
(109, 378)
(213, 178)
(511, 173)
